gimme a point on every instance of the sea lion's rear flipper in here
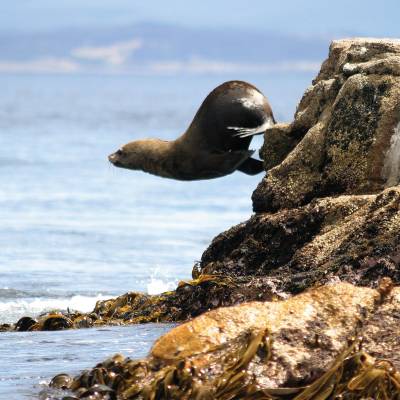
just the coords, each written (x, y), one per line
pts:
(243, 132)
(230, 161)
(251, 166)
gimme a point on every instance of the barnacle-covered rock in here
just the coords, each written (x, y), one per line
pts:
(349, 120)
(352, 238)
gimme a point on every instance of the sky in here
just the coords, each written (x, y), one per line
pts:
(130, 36)
(306, 17)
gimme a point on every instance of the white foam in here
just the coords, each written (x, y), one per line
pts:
(391, 166)
(157, 286)
(11, 311)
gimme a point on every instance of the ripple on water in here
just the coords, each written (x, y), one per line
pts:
(28, 360)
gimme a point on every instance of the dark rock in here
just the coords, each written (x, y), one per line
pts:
(24, 324)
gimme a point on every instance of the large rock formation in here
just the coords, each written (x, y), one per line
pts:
(344, 140)
(345, 136)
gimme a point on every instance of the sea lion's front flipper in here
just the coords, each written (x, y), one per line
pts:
(214, 165)
(251, 166)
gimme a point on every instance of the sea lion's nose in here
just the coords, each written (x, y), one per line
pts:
(115, 159)
(112, 158)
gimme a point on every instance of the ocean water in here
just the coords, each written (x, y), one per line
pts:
(75, 229)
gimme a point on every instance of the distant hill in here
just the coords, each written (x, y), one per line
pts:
(157, 48)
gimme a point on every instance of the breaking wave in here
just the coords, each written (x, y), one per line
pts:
(12, 310)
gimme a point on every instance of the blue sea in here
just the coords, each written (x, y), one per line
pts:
(74, 229)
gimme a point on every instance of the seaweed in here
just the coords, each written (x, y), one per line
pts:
(353, 375)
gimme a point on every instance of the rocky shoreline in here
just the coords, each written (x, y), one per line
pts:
(308, 285)
(329, 342)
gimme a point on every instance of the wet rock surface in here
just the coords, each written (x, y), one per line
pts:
(189, 299)
(351, 238)
(315, 345)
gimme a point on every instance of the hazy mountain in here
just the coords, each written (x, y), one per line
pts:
(157, 48)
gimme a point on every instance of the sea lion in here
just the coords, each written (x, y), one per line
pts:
(216, 142)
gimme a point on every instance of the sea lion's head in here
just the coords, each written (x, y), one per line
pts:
(130, 155)
(137, 155)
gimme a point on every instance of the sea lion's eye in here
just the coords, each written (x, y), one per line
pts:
(119, 152)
